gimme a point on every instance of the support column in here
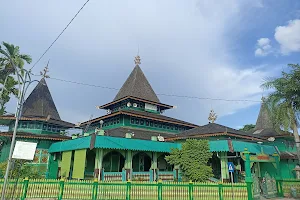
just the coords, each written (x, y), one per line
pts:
(128, 164)
(98, 164)
(154, 166)
(248, 178)
(224, 166)
(278, 176)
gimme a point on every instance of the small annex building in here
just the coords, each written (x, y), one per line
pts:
(40, 123)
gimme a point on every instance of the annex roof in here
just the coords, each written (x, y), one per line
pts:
(40, 103)
(213, 129)
(107, 142)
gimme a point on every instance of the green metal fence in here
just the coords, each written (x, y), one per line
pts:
(291, 187)
(70, 189)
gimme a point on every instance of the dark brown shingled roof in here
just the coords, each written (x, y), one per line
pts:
(145, 115)
(36, 136)
(40, 103)
(137, 85)
(213, 129)
(264, 126)
(263, 121)
(143, 134)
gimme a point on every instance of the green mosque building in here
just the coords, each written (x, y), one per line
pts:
(131, 141)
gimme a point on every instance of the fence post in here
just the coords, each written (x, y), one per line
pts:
(95, 189)
(61, 189)
(220, 191)
(248, 178)
(191, 190)
(24, 189)
(278, 176)
(128, 190)
(159, 188)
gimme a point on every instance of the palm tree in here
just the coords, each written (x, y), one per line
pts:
(9, 54)
(284, 101)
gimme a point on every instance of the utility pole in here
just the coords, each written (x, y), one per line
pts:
(23, 81)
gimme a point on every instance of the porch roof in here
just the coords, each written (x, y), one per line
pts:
(239, 146)
(107, 142)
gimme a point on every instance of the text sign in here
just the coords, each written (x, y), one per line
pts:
(24, 150)
(230, 167)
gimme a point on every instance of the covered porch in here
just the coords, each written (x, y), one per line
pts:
(111, 158)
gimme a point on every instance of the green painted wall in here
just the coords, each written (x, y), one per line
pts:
(267, 167)
(4, 152)
(286, 167)
(52, 167)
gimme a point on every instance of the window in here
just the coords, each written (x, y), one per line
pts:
(44, 126)
(151, 124)
(159, 125)
(24, 125)
(168, 127)
(147, 123)
(132, 120)
(49, 127)
(137, 121)
(172, 127)
(115, 121)
(38, 126)
(164, 126)
(54, 128)
(111, 122)
(176, 128)
(118, 120)
(31, 125)
(155, 124)
(142, 122)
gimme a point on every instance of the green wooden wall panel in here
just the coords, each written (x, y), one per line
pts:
(53, 167)
(66, 163)
(79, 164)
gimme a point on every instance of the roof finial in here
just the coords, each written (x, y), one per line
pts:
(137, 60)
(45, 70)
(212, 117)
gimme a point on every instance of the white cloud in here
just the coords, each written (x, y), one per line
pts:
(263, 47)
(288, 37)
(184, 46)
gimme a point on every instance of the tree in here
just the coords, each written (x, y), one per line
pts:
(284, 102)
(248, 128)
(9, 54)
(20, 170)
(192, 159)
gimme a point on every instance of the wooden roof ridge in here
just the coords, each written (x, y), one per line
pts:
(40, 102)
(137, 85)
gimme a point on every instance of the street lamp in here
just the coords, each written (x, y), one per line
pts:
(24, 81)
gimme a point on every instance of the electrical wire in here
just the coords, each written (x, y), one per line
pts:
(59, 34)
(160, 94)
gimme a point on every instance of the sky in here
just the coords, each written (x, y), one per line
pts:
(202, 48)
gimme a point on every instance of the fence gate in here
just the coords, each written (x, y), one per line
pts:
(269, 186)
(256, 187)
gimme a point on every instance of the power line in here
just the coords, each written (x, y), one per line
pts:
(60, 34)
(160, 94)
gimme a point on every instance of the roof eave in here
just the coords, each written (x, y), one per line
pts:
(165, 106)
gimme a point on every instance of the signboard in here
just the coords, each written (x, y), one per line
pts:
(230, 167)
(24, 150)
(150, 107)
(260, 158)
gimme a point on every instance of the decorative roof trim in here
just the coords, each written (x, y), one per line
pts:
(51, 120)
(136, 98)
(136, 115)
(34, 136)
(212, 134)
